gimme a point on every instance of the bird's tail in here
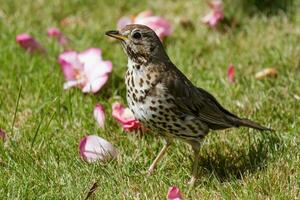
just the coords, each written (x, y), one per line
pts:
(250, 124)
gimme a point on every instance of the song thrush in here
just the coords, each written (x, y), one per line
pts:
(164, 100)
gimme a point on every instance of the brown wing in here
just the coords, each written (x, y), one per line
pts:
(194, 101)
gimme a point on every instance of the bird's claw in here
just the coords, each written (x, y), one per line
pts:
(192, 181)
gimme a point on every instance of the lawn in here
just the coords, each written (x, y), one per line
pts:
(44, 123)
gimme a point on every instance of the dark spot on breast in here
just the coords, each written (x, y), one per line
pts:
(161, 113)
(135, 90)
(151, 120)
(174, 118)
(134, 96)
(137, 67)
(153, 108)
(154, 116)
(193, 129)
(160, 107)
(170, 100)
(175, 131)
(152, 101)
(148, 82)
(132, 82)
(128, 80)
(148, 76)
(152, 48)
(159, 101)
(141, 82)
(177, 125)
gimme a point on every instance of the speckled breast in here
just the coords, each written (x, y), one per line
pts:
(148, 100)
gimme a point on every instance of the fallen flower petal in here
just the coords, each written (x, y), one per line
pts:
(53, 32)
(56, 33)
(27, 42)
(160, 25)
(99, 115)
(230, 73)
(85, 70)
(125, 117)
(94, 148)
(2, 135)
(174, 194)
(215, 15)
(267, 72)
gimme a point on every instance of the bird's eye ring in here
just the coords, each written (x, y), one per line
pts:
(137, 35)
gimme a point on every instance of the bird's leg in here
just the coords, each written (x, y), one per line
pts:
(196, 148)
(159, 156)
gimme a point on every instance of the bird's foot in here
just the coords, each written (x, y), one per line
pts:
(150, 170)
(192, 181)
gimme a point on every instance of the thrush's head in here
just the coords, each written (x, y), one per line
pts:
(140, 43)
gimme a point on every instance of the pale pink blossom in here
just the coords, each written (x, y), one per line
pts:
(174, 194)
(85, 70)
(99, 115)
(125, 117)
(230, 73)
(215, 15)
(30, 44)
(94, 148)
(56, 33)
(160, 25)
(2, 135)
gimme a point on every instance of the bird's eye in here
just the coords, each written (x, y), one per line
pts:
(137, 35)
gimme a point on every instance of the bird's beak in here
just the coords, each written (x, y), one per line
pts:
(116, 34)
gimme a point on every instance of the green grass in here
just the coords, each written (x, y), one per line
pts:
(40, 159)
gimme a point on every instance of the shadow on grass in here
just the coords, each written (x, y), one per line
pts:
(268, 7)
(227, 162)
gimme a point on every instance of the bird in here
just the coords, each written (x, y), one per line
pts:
(164, 100)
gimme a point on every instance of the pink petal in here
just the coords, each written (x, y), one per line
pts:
(122, 114)
(99, 115)
(215, 15)
(94, 148)
(95, 70)
(90, 55)
(131, 126)
(85, 70)
(63, 40)
(230, 73)
(125, 117)
(160, 25)
(53, 32)
(74, 83)
(29, 43)
(70, 64)
(174, 194)
(95, 85)
(123, 21)
(56, 33)
(2, 135)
